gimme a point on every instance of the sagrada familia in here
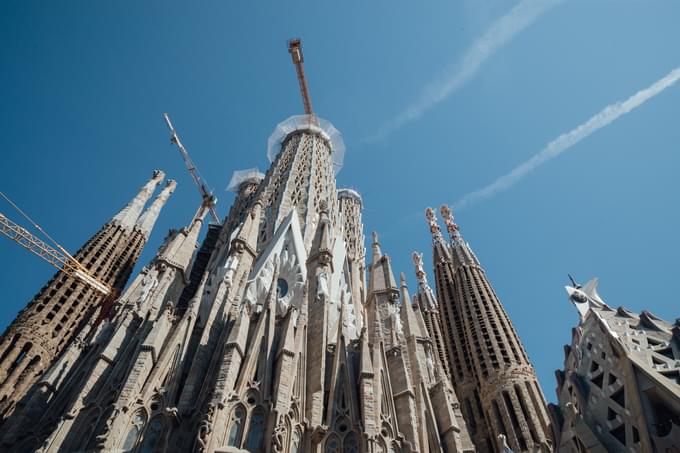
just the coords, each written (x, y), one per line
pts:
(279, 334)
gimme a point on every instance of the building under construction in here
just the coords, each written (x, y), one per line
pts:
(278, 335)
(57, 315)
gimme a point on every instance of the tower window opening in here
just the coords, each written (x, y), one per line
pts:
(256, 430)
(499, 418)
(514, 420)
(525, 413)
(282, 287)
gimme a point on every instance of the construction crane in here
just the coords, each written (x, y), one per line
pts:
(295, 50)
(209, 199)
(57, 257)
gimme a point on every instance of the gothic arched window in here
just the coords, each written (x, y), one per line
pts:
(332, 444)
(295, 442)
(136, 426)
(255, 430)
(350, 444)
(236, 427)
(152, 436)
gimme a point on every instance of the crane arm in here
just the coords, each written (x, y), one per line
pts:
(208, 198)
(295, 50)
(55, 257)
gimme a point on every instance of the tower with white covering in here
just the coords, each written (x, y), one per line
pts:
(284, 344)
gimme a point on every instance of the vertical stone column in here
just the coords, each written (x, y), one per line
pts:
(148, 219)
(128, 216)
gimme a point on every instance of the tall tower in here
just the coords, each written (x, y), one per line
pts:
(51, 320)
(429, 308)
(492, 374)
(351, 205)
(280, 348)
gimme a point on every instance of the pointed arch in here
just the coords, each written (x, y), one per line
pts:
(153, 435)
(294, 412)
(341, 398)
(135, 428)
(255, 430)
(236, 423)
(89, 428)
(332, 444)
(351, 443)
(295, 441)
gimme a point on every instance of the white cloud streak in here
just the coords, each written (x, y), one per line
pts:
(494, 38)
(565, 141)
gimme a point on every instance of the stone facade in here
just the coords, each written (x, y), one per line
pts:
(489, 368)
(59, 312)
(270, 339)
(620, 387)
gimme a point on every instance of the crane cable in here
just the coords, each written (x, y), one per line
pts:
(39, 228)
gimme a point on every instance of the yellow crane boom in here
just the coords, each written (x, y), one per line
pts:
(55, 257)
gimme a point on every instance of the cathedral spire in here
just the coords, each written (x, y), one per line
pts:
(451, 226)
(461, 252)
(488, 361)
(382, 277)
(247, 235)
(440, 249)
(434, 225)
(180, 249)
(147, 220)
(420, 271)
(375, 246)
(411, 324)
(127, 217)
(424, 296)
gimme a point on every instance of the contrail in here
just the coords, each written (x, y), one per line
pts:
(565, 141)
(495, 37)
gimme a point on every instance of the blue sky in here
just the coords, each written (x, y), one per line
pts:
(83, 86)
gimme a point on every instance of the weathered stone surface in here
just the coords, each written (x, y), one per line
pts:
(620, 387)
(276, 344)
(488, 365)
(65, 307)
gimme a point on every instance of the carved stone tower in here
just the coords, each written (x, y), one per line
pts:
(429, 308)
(278, 343)
(57, 313)
(266, 340)
(491, 372)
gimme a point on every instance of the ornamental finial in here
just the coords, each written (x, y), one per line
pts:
(432, 221)
(451, 226)
(420, 271)
(377, 253)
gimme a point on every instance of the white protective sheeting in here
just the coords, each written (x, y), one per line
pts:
(241, 176)
(351, 193)
(305, 122)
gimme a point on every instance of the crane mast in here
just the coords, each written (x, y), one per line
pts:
(209, 199)
(295, 50)
(57, 258)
